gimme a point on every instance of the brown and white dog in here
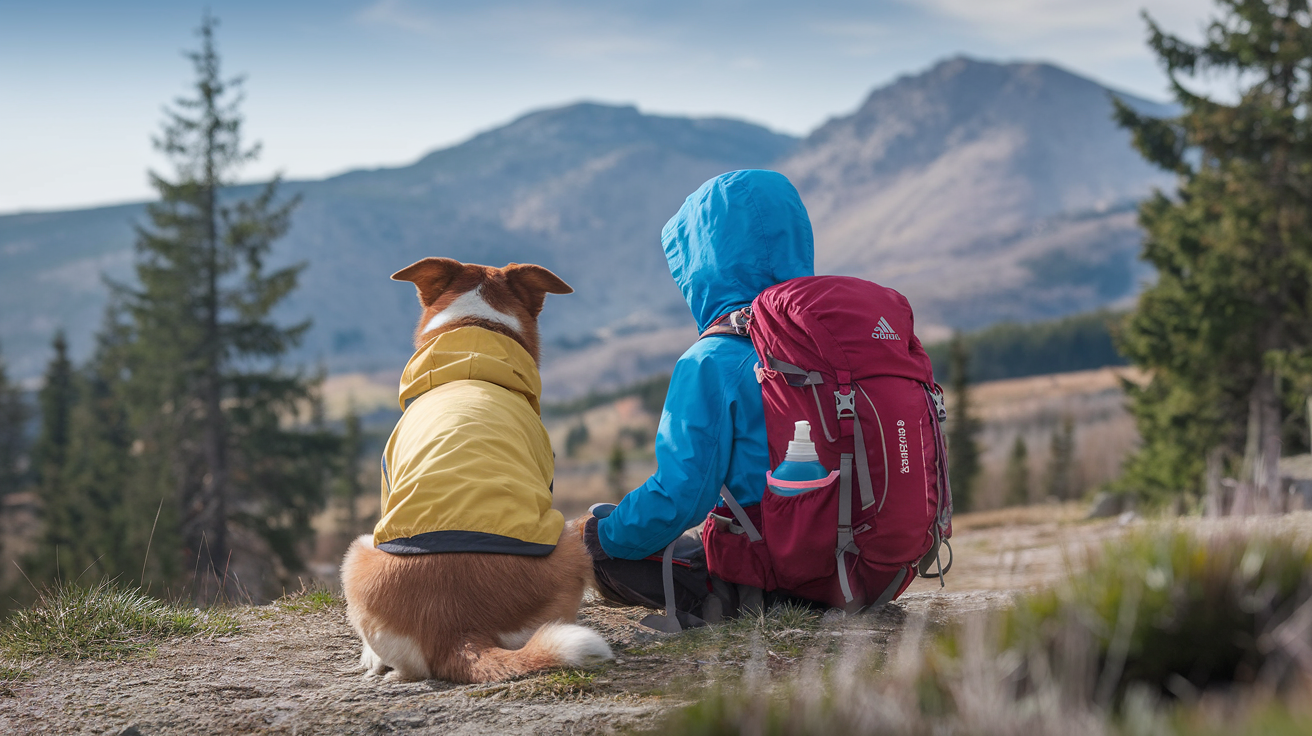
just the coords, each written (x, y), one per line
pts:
(460, 616)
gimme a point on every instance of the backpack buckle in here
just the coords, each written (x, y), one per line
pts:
(846, 403)
(741, 320)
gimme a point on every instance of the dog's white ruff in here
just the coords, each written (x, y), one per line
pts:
(471, 304)
(571, 645)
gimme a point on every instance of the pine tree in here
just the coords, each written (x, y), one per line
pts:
(615, 472)
(1061, 461)
(56, 399)
(1232, 304)
(14, 413)
(963, 428)
(349, 487)
(62, 517)
(220, 424)
(1018, 474)
(101, 470)
(577, 438)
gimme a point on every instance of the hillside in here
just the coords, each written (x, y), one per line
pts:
(583, 190)
(984, 191)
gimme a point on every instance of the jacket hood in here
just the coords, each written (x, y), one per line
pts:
(471, 353)
(737, 235)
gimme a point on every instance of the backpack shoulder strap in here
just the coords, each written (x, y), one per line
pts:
(734, 323)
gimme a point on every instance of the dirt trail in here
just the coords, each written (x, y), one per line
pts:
(294, 672)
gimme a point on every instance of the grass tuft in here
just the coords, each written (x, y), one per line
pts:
(12, 675)
(104, 621)
(784, 629)
(313, 598)
(557, 685)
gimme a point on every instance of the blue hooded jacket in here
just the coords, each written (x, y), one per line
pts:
(737, 235)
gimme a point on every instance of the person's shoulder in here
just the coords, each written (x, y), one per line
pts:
(720, 349)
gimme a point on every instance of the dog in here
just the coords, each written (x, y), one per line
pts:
(451, 603)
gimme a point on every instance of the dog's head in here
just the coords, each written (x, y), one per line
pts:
(506, 300)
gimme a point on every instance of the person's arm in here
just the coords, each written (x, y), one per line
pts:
(693, 447)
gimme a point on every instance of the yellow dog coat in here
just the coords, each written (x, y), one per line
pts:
(469, 466)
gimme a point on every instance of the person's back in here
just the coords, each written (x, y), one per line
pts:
(737, 235)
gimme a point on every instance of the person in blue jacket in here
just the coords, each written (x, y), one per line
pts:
(737, 235)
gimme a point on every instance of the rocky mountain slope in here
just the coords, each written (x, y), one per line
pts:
(984, 191)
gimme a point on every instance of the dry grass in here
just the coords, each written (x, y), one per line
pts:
(1067, 513)
(1167, 632)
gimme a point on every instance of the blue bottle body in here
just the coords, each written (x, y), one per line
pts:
(795, 471)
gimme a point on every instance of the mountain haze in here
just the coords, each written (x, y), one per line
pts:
(983, 191)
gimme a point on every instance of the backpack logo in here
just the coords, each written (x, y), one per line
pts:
(883, 331)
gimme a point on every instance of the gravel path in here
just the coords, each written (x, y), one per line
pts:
(294, 672)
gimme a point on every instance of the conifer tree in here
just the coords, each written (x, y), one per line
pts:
(1232, 304)
(615, 471)
(14, 413)
(1018, 474)
(101, 471)
(577, 438)
(220, 424)
(963, 428)
(61, 515)
(56, 399)
(349, 487)
(1061, 461)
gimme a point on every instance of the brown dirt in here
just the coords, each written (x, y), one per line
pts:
(290, 672)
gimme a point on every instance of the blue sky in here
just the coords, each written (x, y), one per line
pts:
(334, 84)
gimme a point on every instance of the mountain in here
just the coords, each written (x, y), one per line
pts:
(983, 191)
(582, 190)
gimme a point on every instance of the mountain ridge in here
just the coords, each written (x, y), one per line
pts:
(983, 191)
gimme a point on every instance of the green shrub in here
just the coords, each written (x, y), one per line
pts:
(1177, 612)
(1164, 632)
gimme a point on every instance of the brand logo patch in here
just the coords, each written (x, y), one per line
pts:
(884, 331)
(902, 446)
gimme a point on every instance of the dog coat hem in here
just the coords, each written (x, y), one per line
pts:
(460, 540)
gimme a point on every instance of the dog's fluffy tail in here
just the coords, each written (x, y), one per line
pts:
(553, 645)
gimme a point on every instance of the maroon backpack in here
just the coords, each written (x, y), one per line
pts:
(840, 353)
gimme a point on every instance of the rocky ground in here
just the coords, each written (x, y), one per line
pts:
(291, 667)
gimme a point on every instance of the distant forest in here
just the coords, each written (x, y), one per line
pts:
(1010, 350)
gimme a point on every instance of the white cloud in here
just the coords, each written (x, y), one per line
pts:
(400, 15)
(856, 38)
(1012, 21)
(558, 32)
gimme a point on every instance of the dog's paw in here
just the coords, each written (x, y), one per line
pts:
(400, 676)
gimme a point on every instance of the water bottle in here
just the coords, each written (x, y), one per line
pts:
(801, 470)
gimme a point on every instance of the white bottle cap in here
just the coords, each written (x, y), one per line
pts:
(801, 449)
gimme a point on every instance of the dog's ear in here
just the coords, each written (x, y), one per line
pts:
(532, 284)
(431, 277)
